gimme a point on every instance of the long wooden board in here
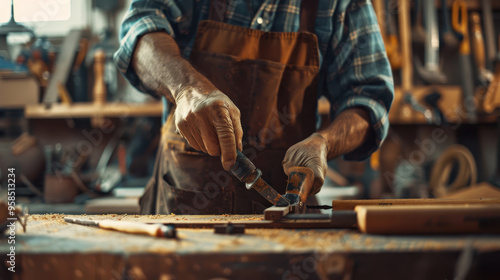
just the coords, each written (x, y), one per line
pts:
(351, 204)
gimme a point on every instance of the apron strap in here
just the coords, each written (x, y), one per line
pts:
(217, 10)
(308, 11)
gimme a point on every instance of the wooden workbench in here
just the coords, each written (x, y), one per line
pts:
(52, 249)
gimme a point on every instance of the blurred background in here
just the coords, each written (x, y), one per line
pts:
(82, 140)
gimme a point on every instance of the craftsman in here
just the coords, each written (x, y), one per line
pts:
(247, 75)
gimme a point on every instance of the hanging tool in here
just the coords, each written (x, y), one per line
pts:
(155, 230)
(300, 181)
(418, 31)
(380, 12)
(449, 38)
(459, 22)
(485, 75)
(489, 31)
(430, 72)
(407, 69)
(491, 100)
(391, 39)
(99, 90)
(432, 99)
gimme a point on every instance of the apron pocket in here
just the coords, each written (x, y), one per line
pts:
(192, 202)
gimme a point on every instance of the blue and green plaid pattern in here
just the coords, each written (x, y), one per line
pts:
(355, 71)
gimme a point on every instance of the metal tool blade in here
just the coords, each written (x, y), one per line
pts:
(247, 173)
(82, 222)
(269, 193)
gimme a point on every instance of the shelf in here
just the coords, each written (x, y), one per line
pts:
(86, 110)
(402, 113)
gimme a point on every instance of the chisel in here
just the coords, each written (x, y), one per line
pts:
(155, 230)
(300, 181)
(459, 21)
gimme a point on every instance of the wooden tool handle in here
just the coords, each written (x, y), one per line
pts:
(300, 179)
(428, 219)
(133, 227)
(477, 41)
(99, 90)
(351, 204)
(406, 50)
(459, 18)
(492, 98)
(379, 7)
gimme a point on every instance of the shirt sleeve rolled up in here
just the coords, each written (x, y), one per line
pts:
(358, 71)
(143, 17)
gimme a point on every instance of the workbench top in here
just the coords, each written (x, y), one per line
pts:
(53, 249)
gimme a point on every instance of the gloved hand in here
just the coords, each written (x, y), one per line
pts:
(210, 123)
(310, 152)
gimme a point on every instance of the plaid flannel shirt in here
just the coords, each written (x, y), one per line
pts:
(354, 70)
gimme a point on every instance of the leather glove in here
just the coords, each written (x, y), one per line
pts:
(210, 123)
(310, 152)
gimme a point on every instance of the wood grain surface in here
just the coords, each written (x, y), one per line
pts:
(53, 249)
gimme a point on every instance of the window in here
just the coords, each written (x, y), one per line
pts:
(47, 17)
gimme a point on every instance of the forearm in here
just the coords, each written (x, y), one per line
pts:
(161, 68)
(348, 131)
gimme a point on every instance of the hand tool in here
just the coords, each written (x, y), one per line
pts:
(430, 72)
(407, 69)
(63, 66)
(489, 31)
(392, 44)
(78, 74)
(99, 90)
(380, 11)
(390, 41)
(491, 99)
(155, 230)
(351, 204)
(418, 31)
(485, 75)
(459, 22)
(432, 100)
(449, 37)
(429, 219)
(300, 181)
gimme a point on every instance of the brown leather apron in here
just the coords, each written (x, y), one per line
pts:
(272, 78)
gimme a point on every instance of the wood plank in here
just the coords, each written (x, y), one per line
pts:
(87, 110)
(429, 219)
(351, 204)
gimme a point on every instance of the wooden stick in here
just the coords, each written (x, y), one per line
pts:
(275, 213)
(351, 204)
(428, 219)
(154, 230)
